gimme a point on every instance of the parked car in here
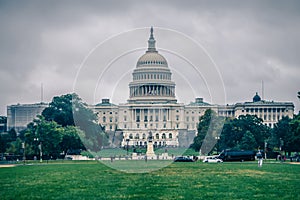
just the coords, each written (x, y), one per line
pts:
(183, 159)
(212, 159)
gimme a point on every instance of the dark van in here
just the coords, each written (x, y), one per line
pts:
(233, 155)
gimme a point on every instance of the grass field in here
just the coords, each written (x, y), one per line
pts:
(94, 180)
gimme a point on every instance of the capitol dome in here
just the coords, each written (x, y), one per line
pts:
(150, 59)
(152, 77)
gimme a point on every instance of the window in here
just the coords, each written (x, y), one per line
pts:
(130, 136)
(144, 136)
(104, 119)
(170, 135)
(137, 136)
(157, 136)
(110, 119)
(163, 136)
(177, 117)
(125, 118)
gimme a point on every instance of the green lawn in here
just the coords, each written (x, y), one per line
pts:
(94, 180)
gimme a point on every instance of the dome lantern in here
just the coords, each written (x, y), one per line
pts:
(151, 42)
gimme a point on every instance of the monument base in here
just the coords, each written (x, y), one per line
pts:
(150, 152)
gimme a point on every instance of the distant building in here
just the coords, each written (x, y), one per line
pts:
(269, 111)
(18, 116)
(3, 124)
(153, 111)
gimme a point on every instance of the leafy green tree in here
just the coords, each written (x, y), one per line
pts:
(49, 135)
(4, 143)
(248, 141)
(286, 134)
(234, 131)
(282, 134)
(295, 129)
(209, 129)
(71, 139)
(12, 134)
(69, 110)
(60, 110)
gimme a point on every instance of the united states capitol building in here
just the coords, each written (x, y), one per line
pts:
(152, 108)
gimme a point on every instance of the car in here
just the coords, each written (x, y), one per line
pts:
(183, 159)
(212, 159)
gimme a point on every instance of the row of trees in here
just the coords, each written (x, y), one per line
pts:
(65, 126)
(247, 132)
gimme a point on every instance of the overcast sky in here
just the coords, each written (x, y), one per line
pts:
(247, 41)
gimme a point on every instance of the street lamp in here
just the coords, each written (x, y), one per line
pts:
(23, 147)
(217, 146)
(40, 148)
(266, 144)
(127, 140)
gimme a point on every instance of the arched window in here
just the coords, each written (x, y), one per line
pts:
(144, 136)
(137, 136)
(130, 136)
(157, 136)
(104, 119)
(163, 136)
(170, 135)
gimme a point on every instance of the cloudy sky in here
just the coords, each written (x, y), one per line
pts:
(68, 45)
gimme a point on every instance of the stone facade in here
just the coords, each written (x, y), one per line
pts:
(152, 109)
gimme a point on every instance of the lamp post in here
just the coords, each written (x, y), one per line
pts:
(266, 144)
(127, 140)
(217, 146)
(23, 147)
(40, 148)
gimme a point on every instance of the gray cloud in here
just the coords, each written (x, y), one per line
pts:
(250, 41)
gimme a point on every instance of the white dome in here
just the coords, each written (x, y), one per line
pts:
(152, 58)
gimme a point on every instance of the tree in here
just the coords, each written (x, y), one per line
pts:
(209, 129)
(282, 134)
(60, 110)
(71, 140)
(49, 135)
(4, 143)
(248, 141)
(69, 110)
(295, 129)
(234, 130)
(15, 147)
